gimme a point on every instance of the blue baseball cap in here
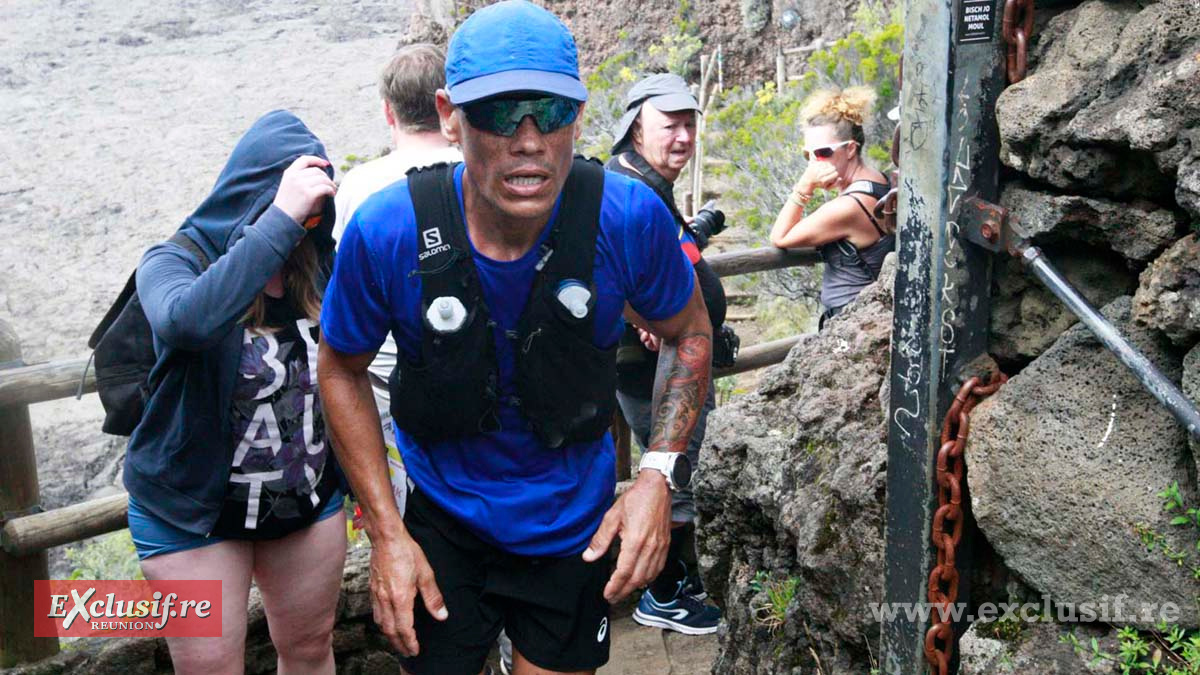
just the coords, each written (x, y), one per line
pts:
(512, 46)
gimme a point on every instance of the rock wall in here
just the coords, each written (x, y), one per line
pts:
(1102, 138)
(1110, 106)
(750, 32)
(1067, 459)
(1064, 463)
(792, 492)
(1102, 148)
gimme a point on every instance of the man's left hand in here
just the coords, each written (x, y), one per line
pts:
(649, 340)
(642, 518)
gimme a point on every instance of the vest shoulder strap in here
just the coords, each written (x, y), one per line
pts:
(441, 232)
(572, 242)
(444, 252)
(655, 180)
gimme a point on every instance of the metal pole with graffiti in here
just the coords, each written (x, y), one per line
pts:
(953, 72)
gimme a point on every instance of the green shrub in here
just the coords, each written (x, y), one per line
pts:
(781, 317)
(727, 389)
(111, 556)
(607, 86)
(771, 612)
(758, 130)
(1167, 650)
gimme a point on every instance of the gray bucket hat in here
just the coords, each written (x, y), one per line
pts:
(667, 92)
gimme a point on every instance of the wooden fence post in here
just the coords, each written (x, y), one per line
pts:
(18, 497)
(698, 152)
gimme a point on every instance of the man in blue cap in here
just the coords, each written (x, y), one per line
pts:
(503, 281)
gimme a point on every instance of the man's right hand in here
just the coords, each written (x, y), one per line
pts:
(399, 571)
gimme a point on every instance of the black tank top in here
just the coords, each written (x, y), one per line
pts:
(849, 269)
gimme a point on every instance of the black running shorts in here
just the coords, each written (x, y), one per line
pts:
(553, 609)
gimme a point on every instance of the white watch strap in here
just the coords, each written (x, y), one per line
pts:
(659, 461)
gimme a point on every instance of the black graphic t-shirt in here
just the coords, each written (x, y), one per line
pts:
(280, 479)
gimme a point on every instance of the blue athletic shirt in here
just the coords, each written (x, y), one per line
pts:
(506, 486)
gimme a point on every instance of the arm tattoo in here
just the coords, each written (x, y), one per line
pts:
(680, 389)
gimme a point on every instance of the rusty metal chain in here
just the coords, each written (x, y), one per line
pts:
(948, 519)
(1017, 28)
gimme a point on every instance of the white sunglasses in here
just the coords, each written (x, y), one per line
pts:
(823, 152)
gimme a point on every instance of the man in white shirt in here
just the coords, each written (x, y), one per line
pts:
(408, 86)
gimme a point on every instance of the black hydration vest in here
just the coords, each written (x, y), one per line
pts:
(564, 384)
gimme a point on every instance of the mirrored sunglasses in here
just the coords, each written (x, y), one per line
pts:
(504, 115)
(823, 152)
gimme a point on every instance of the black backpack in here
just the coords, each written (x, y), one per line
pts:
(123, 351)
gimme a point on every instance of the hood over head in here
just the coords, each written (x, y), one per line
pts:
(249, 181)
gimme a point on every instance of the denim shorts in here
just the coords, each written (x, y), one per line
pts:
(154, 536)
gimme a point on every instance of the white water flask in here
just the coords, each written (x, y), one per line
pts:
(574, 296)
(446, 314)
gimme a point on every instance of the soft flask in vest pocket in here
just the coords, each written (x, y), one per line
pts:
(569, 388)
(446, 393)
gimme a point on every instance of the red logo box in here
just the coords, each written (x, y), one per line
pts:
(126, 608)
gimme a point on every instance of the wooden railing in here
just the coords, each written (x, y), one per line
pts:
(28, 531)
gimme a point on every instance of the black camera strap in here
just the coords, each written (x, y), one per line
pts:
(656, 182)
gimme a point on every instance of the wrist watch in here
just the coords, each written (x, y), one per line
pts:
(675, 466)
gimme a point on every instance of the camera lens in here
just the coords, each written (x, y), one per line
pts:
(708, 221)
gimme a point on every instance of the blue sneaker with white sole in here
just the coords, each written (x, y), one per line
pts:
(683, 613)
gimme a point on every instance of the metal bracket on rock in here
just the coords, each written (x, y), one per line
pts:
(992, 227)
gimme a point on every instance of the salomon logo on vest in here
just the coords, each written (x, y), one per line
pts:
(432, 238)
